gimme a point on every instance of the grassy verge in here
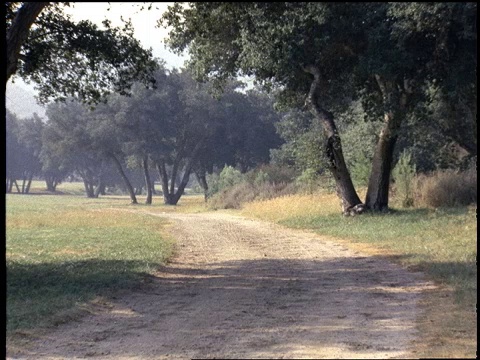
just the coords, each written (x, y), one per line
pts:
(439, 242)
(63, 251)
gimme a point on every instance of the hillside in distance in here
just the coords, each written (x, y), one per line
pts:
(20, 100)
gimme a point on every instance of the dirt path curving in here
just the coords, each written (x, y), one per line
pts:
(241, 288)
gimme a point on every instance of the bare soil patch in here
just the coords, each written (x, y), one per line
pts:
(240, 288)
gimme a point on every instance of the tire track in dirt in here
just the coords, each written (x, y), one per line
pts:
(241, 288)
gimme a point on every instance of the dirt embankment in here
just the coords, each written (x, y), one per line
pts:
(241, 288)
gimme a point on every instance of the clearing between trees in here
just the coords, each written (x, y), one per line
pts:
(240, 288)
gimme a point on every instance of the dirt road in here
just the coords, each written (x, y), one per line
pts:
(240, 288)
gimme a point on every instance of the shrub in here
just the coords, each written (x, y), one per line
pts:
(448, 188)
(307, 181)
(237, 195)
(261, 178)
(229, 177)
(360, 170)
(278, 174)
(213, 184)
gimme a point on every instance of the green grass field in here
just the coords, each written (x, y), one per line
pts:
(63, 251)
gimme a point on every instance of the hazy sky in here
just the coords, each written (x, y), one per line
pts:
(144, 22)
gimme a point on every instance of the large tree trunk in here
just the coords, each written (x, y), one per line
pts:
(350, 201)
(51, 183)
(379, 182)
(98, 189)
(18, 33)
(148, 181)
(128, 185)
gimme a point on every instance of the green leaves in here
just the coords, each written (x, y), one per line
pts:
(65, 59)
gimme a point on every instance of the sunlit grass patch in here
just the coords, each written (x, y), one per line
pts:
(292, 206)
(187, 204)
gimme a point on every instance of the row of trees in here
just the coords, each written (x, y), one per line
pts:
(176, 130)
(404, 63)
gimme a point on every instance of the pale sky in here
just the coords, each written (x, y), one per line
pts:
(144, 22)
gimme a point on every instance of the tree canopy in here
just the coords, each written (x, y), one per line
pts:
(326, 55)
(68, 59)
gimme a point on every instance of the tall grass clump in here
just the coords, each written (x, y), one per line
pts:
(404, 175)
(236, 196)
(448, 188)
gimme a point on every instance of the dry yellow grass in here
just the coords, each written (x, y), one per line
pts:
(292, 206)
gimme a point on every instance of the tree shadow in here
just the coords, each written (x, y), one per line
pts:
(37, 292)
(253, 309)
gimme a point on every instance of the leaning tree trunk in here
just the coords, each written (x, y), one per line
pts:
(351, 203)
(128, 185)
(24, 184)
(29, 184)
(18, 32)
(148, 181)
(16, 185)
(202, 180)
(379, 182)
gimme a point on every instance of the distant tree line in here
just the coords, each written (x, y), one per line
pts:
(169, 134)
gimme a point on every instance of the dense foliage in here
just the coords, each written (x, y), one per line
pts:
(405, 63)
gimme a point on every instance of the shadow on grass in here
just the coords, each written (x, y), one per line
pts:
(37, 292)
(460, 275)
(241, 309)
